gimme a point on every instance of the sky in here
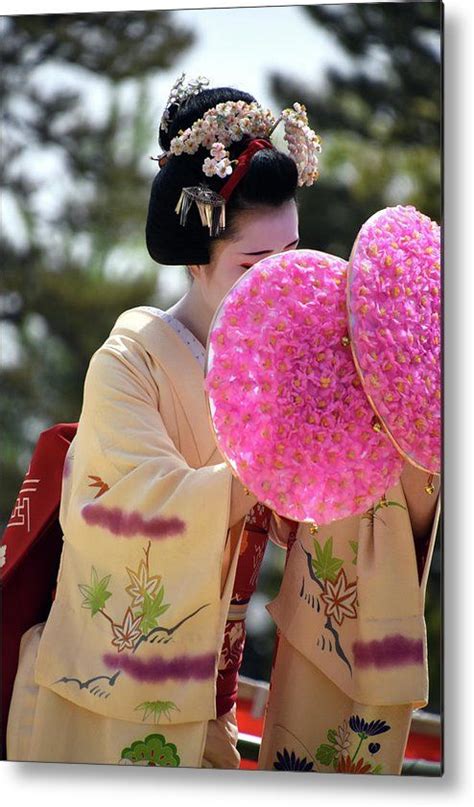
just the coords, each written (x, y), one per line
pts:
(269, 39)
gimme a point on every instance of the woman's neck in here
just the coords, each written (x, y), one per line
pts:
(192, 311)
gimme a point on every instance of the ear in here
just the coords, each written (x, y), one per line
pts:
(196, 270)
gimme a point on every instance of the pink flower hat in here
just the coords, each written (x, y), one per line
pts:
(286, 403)
(394, 309)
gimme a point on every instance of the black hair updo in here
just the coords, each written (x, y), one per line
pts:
(271, 180)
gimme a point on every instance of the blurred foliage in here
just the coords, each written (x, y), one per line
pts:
(380, 130)
(379, 124)
(61, 292)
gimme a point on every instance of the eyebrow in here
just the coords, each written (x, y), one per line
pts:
(264, 251)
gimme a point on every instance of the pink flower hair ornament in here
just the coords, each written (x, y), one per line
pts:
(394, 311)
(286, 404)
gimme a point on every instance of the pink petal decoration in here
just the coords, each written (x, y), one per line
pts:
(286, 403)
(394, 310)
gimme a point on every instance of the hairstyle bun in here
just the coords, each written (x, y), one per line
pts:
(271, 180)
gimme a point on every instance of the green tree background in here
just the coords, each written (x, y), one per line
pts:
(59, 297)
(381, 141)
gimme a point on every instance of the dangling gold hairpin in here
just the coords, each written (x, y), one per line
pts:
(210, 205)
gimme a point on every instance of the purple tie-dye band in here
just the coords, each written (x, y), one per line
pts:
(182, 668)
(118, 522)
(392, 651)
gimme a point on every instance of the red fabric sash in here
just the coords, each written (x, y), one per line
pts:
(33, 541)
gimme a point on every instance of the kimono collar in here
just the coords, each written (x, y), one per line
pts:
(182, 369)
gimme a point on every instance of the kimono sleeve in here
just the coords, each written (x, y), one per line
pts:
(138, 604)
(122, 432)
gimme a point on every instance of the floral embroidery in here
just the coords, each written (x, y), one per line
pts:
(342, 737)
(345, 765)
(364, 729)
(126, 634)
(3, 555)
(153, 750)
(339, 751)
(290, 762)
(340, 598)
(141, 583)
(337, 595)
(141, 617)
(157, 709)
(259, 516)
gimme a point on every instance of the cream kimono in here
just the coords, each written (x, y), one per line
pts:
(351, 663)
(125, 668)
(128, 657)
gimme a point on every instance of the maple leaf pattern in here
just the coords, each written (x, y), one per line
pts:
(128, 632)
(97, 482)
(340, 598)
(152, 609)
(325, 565)
(95, 595)
(141, 584)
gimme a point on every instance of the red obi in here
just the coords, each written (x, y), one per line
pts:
(252, 549)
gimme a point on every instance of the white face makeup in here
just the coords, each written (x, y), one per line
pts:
(259, 235)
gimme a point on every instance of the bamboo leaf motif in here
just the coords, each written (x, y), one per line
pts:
(157, 709)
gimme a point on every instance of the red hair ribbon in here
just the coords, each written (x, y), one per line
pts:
(243, 163)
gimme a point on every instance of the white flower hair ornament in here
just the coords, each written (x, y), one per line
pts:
(230, 122)
(180, 92)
